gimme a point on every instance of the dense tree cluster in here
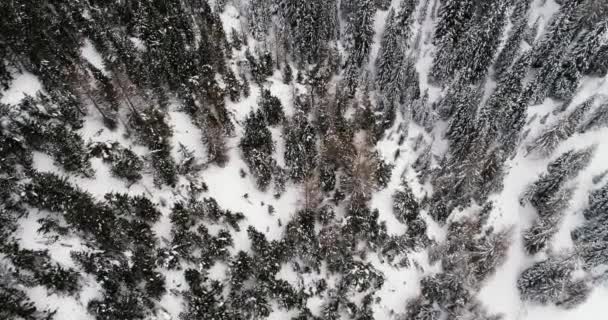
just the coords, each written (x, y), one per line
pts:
(334, 85)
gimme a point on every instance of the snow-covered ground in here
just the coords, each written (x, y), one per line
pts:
(498, 294)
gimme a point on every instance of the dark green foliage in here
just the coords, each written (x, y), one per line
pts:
(549, 190)
(550, 196)
(421, 309)
(511, 49)
(461, 127)
(233, 87)
(476, 51)
(68, 150)
(137, 207)
(405, 206)
(561, 31)
(549, 140)
(260, 68)
(451, 24)
(43, 271)
(362, 223)
(271, 108)
(309, 27)
(41, 124)
(550, 281)
(118, 307)
(154, 132)
(124, 162)
(300, 148)
(502, 117)
(359, 31)
(129, 290)
(191, 238)
(259, 16)
(257, 147)
(204, 300)
(590, 53)
(597, 119)
(287, 73)
(362, 277)
(53, 193)
(590, 238)
(395, 72)
(566, 84)
(17, 305)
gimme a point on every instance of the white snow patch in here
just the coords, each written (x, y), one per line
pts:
(89, 52)
(23, 84)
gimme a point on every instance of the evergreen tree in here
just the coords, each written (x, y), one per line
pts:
(395, 71)
(510, 50)
(564, 87)
(310, 26)
(550, 281)
(543, 193)
(561, 31)
(502, 117)
(359, 31)
(257, 147)
(590, 52)
(452, 23)
(300, 148)
(405, 206)
(475, 53)
(597, 119)
(271, 108)
(549, 140)
(461, 127)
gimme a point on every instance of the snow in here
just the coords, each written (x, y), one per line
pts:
(139, 45)
(424, 60)
(592, 308)
(67, 307)
(23, 84)
(498, 294)
(187, 134)
(401, 285)
(231, 18)
(89, 52)
(543, 10)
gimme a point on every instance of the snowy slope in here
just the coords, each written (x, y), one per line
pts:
(498, 294)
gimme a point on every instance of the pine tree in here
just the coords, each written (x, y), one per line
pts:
(359, 32)
(564, 88)
(590, 51)
(271, 108)
(561, 31)
(453, 21)
(590, 238)
(405, 206)
(597, 119)
(476, 51)
(461, 127)
(500, 118)
(548, 189)
(232, 86)
(300, 148)
(453, 16)
(395, 71)
(310, 26)
(510, 50)
(550, 281)
(257, 147)
(549, 140)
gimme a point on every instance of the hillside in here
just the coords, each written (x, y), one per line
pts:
(305, 160)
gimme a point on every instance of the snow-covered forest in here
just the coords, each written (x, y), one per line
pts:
(303, 159)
